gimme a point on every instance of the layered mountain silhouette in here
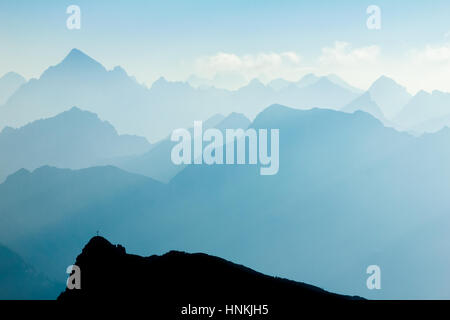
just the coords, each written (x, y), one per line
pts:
(311, 95)
(132, 108)
(389, 96)
(109, 274)
(78, 80)
(349, 193)
(47, 215)
(310, 79)
(9, 83)
(367, 104)
(73, 139)
(384, 100)
(157, 162)
(426, 112)
(19, 281)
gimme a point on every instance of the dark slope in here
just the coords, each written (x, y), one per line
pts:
(174, 279)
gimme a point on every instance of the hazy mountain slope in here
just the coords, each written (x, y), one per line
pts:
(157, 163)
(349, 193)
(19, 281)
(389, 96)
(72, 139)
(48, 214)
(278, 84)
(78, 80)
(307, 80)
(131, 108)
(431, 125)
(337, 80)
(342, 177)
(424, 107)
(9, 83)
(311, 78)
(366, 104)
(322, 93)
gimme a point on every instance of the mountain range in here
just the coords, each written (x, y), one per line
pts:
(361, 182)
(78, 80)
(157, 163)
(73, 139)
(350, 193)
(424, 110)
(132, 108)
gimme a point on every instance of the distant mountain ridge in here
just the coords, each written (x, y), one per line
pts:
(383, 100)
(73, 139)
(9, 83)
(425, 107)
(157, 162)
(154, 112)
(338, 172)
(309, 79)
(389, 96)
(132, 108)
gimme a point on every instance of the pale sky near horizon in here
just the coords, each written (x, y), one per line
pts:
(235, 40)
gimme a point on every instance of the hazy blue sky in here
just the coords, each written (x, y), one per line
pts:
(236, 39)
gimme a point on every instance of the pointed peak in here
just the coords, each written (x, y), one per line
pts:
(386, 84)
(74, 109)
(77, 58)
(307, 79)
(275, 108)
(75, 54)
(160, 83)
(235, 120)
(384, 78)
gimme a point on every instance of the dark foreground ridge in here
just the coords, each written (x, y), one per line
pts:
(108, 273)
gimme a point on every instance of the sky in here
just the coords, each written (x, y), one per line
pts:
(231, 42)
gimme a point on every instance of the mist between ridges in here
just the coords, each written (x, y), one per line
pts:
(238, 147)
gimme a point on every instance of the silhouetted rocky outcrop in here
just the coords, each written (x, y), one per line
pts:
(108, 273)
